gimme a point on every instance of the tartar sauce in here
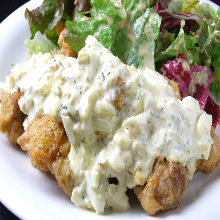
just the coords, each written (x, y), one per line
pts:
(118, 120)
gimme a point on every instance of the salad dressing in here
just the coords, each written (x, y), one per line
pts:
(112, 148)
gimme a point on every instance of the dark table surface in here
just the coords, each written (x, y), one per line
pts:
(5, 10)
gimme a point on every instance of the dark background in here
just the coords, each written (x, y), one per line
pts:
(7, 8)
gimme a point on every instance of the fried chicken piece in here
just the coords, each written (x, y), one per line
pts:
(11, 117)
(43, 138)
(175, 87)
(47, 144)
(66, 49)
(39, 164)
(209, 165)
(61, 169)
(59, 27)
(165, 187)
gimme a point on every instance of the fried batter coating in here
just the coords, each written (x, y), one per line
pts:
(11, 117)
(47, 144)
(66, 50)
(61, 169)
(209, 165)
(43, 138)
(165, 187)
(174, 85)
(39, 164)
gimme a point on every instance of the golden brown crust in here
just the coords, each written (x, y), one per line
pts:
(47, 144)
(16, 129)
(43, 138)
(48, 147)
(61, 169)
(11, 117)
(39, 164)
(65, 49)
(9, 109)
(165, 187)
(209, 165)
(175, 87)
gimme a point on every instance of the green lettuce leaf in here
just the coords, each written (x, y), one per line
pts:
(176, 6)
(40, 43)
(189, 6)
(209, 42)
(140, 52)
(215, 86)
(131, 5)
(181, 6)
(164, 40)
(128, 28)
(79, 31)
(183, 44)
(139, 33)
(48, 17)
(102, 24)
(206, 11)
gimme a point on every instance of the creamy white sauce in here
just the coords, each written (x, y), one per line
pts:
(109, 145)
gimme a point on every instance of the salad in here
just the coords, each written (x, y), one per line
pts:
(178, 38)
(118, 95)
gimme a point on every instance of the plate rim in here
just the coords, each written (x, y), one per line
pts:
(7, 201)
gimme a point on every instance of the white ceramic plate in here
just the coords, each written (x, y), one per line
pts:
(31, 194)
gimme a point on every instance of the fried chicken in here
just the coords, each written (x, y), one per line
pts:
(209, 165)
(66, 49)
(11, 117)
(164, 188)
(45, 140)
(174, 85)
(47, 144)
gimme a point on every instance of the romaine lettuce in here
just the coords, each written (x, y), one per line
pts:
(209, 42)
(40, 43)
(189, 6)
(140, 32)
(128, 28)
(183, 44)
